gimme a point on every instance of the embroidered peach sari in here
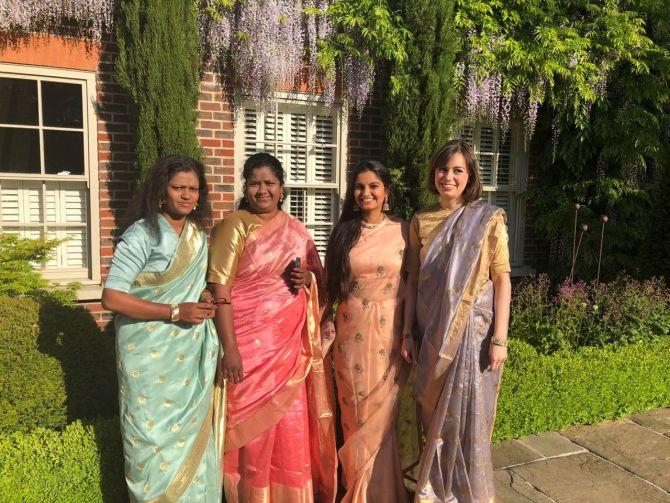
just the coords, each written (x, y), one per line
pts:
(370, 372)
(280, 443)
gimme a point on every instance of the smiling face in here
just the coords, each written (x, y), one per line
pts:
(452, 178)
(263, 190)
(369, 192)
(182, 194)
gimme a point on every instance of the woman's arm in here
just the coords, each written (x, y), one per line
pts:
(144, 310)
(502, 297)
(223, 320)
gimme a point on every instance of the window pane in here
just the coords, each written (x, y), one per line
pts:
(18, 101)
(19, 150)
(64, 152)
(61, 105)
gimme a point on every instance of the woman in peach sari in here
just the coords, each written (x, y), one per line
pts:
(280, 441)
(364, 264)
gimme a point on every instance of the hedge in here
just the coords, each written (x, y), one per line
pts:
(55, 366)
(551, 392)
(82, 463)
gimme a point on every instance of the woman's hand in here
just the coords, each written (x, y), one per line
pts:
(196, 312)
(328, 330)
(408, 349)
(497, 356)
(232, 366)
(206, 297)
(300, 277)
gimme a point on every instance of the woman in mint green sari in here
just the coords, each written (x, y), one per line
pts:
(166, 344)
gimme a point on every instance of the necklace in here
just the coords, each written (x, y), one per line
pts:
(366, 225)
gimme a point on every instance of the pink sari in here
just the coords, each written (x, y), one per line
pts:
(280, 442)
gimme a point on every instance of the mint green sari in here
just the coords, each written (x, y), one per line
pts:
(171, 412)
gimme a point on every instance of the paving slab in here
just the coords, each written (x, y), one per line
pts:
(512, 452)
(510, 488)
(629, 445)
(585, 478)
(657, 420)
(551, 444)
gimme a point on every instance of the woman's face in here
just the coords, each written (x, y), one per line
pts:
(182, 194)
(452, 178)
(263, 190)
(369, 192)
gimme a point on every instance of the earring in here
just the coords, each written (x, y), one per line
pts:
(385, 206)
(356, 207)
(161, 203)
(281, 198)
(195, 207)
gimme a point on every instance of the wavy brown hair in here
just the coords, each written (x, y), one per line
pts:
(473, 190)
(153, 191)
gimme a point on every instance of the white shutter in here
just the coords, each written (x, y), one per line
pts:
(324, 168)
(10, 202)
(504, 168)
(486, 153)
(298, 158)
(297, 203)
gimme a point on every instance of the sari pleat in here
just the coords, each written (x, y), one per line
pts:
(456, 393)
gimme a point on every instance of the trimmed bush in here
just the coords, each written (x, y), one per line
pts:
(551, 392)
(83, 463)
(55, 366)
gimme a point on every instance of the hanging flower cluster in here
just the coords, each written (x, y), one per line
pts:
(263, 46)
(89, 17)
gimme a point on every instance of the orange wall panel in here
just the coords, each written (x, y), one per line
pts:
(48, 50)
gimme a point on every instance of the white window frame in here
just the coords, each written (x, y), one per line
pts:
(300, 102)
(89, 276)
(517, 185)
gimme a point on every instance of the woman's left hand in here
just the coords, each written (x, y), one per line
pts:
(497, 356)
(300, 277)
(206, 296)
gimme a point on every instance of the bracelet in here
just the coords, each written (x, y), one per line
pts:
(221, 301)
(174, 312)
(499, 341)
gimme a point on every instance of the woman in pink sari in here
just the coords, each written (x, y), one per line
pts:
(280, 442)
(364, 268)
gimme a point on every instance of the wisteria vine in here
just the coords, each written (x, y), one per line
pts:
(91, 17)
(262, 46)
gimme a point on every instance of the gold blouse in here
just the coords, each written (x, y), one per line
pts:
(227, 245)
(424, 222)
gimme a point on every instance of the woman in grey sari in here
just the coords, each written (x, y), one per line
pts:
(458, 304)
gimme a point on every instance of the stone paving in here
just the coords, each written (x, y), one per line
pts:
(627, 460)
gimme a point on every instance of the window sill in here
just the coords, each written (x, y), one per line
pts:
(89, 293)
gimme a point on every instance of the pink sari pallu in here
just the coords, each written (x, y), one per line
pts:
(280, 442)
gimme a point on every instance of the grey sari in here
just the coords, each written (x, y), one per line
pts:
(456, 394)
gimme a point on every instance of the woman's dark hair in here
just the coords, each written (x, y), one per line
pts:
(347, 231)
(256, 161)
(473, 189)
(153, 191)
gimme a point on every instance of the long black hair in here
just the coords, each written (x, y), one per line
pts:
(153, 191)
(256, 161)
(348, 230)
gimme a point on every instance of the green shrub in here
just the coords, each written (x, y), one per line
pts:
(550, 392)
(622, 311)
(18, 276)
(83, 463)
(55, 365)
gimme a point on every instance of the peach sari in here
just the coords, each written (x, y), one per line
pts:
(370, 372)
(280, 443)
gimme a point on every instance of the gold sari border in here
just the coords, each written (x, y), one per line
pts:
(246, 493)
(188, 247)
(186, 472)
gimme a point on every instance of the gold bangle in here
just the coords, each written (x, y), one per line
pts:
(499, 341)
(174, 312)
